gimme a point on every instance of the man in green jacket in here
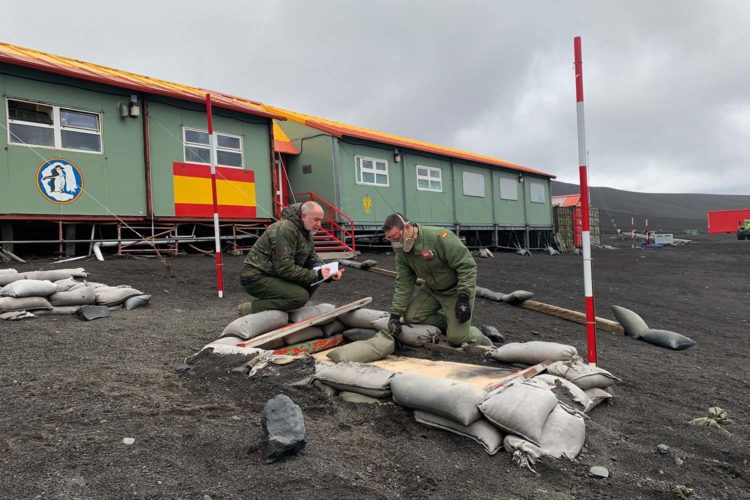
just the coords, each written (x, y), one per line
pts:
(449, 271)
(282, 269)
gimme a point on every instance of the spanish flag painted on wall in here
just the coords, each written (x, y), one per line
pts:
(235, 191)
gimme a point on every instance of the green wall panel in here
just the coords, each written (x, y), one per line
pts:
(114, 180)
(508, 212)
(473, 209)
(430, 207)
(317, 153)
(167, 119)
(538, 213)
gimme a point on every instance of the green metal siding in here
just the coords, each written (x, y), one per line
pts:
(538, 213)
(167, 119)
(114, 180)
(317, 152)
(508, 212)
(354, 197)
(473, 209)
(428, 207)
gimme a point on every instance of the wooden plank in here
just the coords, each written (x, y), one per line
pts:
(311, 346)
(478, 375)
(284, 331)
(526, 373)
(575, 316)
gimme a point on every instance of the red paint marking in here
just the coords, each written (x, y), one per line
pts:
(207, 210)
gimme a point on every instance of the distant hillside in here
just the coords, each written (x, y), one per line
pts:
(669, 212)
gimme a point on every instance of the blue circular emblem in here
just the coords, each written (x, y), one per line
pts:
(59, 181)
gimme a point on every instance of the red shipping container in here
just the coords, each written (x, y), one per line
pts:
(726, 221)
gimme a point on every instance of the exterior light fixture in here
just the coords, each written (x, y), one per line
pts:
(396, 156)
(520, 177)
(135, 109)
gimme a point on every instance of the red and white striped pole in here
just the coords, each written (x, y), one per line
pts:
(586, 230)
(217, 232)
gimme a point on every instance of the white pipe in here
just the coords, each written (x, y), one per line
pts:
(97, 251)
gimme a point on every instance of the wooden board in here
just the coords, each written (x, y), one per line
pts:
(575, 316)
(284, 331)
(478, 375)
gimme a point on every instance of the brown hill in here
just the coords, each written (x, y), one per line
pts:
(667, 212)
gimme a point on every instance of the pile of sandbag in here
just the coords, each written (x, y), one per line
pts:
(366, 331)
(59, 291)
(530, 419)
(636, 327)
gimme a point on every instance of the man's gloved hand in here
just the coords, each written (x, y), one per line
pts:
(463, 308)
(394, 324)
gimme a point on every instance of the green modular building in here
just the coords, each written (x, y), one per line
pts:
(85, 147)
(369, 175)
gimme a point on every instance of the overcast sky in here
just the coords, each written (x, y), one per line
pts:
(667, 83)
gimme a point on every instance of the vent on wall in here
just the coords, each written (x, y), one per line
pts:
(306, 169)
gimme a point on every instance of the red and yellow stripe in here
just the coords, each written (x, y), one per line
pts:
(235, 191)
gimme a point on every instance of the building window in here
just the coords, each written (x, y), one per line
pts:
(473, 184)
(37, 124)
(429, 179)
(371, 171)
(537, 192)
(197, 150)
(508, 188)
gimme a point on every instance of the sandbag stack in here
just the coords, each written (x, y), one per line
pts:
(59, 291)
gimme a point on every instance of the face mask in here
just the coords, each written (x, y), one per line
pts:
(408, 243)
(396, 245)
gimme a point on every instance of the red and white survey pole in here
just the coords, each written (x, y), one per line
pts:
(217, 232)
(586, 230)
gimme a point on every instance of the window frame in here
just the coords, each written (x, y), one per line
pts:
(463, 184)
(185, 144)
(429, 178)
(508, 181)
(359, 167)
(57, 126)
(532, 185)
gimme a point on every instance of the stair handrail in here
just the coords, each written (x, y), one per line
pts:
(331, 210)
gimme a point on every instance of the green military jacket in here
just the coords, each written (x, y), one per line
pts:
(441, 260)
(285, 250)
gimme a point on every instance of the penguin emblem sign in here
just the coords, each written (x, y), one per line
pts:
(59, 181)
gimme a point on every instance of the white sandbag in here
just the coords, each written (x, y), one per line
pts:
(480, 430)
(16, 315)
(632, 323)
(28, 288)
(114, 295)
(575, 394)
(583, 375)
(9, 276)
(23, 304)
(355, 334)
(308, 312)
(356, 377)
(231, 340)
(520, 409)
(136, 301)
(531, 353)
(666, 338)
(58, 311)
(364, 351)
(78, 297)
(563, 436)
(332, 328)
(67, 284)
(440, 396)
(412, 335)
(311, 332)
(252, 325)
(356, 398)
(56, 274)
(94, 285)
(362, 318)
(597, 397)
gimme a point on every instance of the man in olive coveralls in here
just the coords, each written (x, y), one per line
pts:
(449, 271)
(282, 266)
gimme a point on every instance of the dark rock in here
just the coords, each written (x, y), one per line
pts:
(284, 427)
(90, 313)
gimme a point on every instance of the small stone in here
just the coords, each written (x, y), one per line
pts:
(678, 461)
(598, 472)
(284, 427)
(128, 440)
(663, 449)
(534, 333)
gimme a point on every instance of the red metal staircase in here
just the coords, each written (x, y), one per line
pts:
(336, 234)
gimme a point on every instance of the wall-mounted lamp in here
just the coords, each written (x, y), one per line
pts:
(130, 109)
(396, 156)
(520, 177)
